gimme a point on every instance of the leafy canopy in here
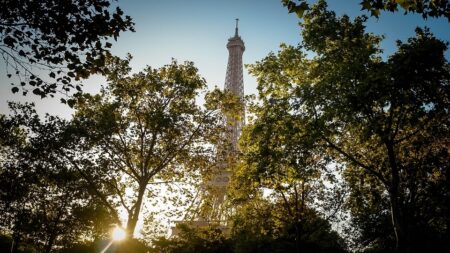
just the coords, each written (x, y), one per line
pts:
(386, 122)
(427, 8)
(146, 128)
(66, 40)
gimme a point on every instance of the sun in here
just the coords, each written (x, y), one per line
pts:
(118, 234)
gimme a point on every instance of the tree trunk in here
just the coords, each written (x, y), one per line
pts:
(297, 237)
(396, 211)
(133, 218)
(49, 244)
(397, 222)
(15, 244)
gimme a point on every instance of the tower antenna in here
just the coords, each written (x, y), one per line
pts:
(236, 32)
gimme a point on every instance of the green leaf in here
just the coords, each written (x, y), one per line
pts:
(375, 13)
(37, 91)
(366, 5)
(9, 41)
(405, 4)
(71, 102)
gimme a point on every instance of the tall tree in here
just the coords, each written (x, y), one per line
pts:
(68, 39)
(387, 120)
(290, 174)
(142, 129)
(43, 200)
(265, 225)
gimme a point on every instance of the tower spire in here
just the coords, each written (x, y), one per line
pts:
(234, 82)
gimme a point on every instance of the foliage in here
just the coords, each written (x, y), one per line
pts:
(342, 114)
(255, 232)
(427, 8)
(43, 199)
(143, 129)
(283, 181)
(194, 240)
(264, 225)
(128, 245)
(385, 121)
(370, 214)
(5, 245)
(67, 39)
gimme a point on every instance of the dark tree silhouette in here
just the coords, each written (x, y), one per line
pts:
(387, 121)
(43, 200)
(66, 40)
(427, 8)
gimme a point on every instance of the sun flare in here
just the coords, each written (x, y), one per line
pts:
(118, 234)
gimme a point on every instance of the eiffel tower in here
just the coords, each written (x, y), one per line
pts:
(214, 191)
(234, 83)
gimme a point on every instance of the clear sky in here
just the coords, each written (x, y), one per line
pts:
(198, 30)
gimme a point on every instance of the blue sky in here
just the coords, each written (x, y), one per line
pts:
(198, 30)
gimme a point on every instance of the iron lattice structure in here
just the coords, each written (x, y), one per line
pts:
(211, 209)
(234, 83)
(215, 191)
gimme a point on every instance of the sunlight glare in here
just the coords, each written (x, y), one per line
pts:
(118, 234)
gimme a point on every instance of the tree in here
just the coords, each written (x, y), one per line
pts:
(43, 200)
(142, 129)
(66, 39)
(385, 120)
(427, 8)
(293, 178)
(370, 221)
(266, 225)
